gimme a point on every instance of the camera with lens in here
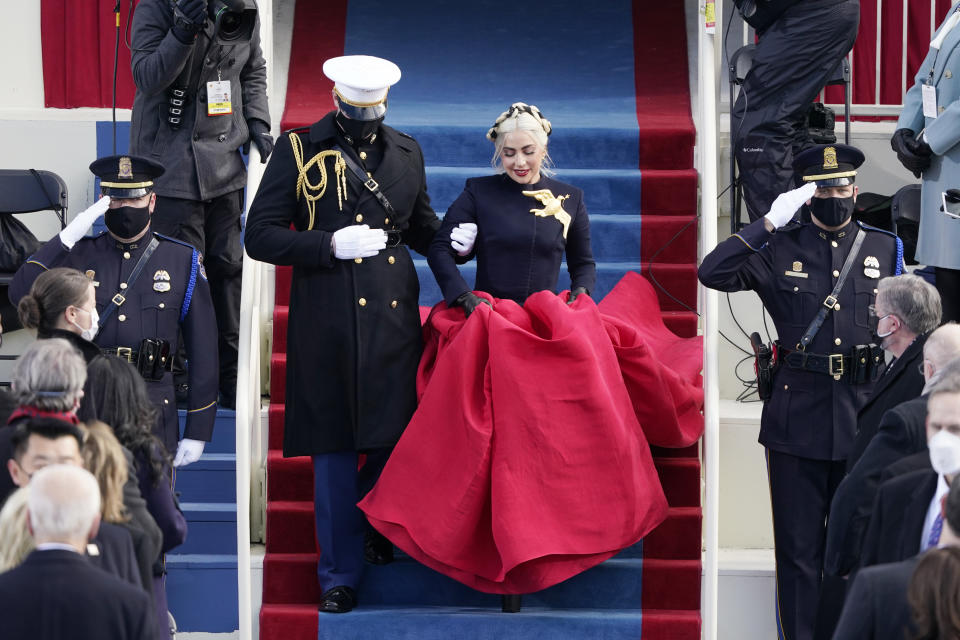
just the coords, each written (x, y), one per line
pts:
(233, 20)
(821, 124)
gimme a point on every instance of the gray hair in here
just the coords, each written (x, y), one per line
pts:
(948, 380)
(943, 345)
(15, 539)
(49, 375)
(912, 299)
(64, 502)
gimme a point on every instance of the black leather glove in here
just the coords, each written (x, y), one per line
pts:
(189, 16)
(260, 135)
(912, 154)
(470, 301)
(576, 291)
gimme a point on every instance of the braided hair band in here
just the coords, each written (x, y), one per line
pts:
(516, 110)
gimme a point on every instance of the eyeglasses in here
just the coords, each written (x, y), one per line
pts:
(921, 368)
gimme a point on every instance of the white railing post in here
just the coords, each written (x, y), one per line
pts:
(248, 367)
(707, 143)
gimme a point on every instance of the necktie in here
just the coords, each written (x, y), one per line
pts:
(935, 530)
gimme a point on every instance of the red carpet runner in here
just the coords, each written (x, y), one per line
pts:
(671, 553)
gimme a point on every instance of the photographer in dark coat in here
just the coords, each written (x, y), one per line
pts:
(221, 78)
(354, 327)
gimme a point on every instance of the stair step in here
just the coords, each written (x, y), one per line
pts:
(292, 478)
(302, 622)
(212, 478)
(207, 579)
(224, 431)
(281, 315)
(211, 528)
(614, 584)
(275, 424)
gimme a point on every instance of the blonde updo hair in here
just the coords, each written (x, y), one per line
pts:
(528, 119)
(103, 457)
(52, 292)
(16, 543)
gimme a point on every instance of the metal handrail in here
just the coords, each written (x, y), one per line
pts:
(707, 73)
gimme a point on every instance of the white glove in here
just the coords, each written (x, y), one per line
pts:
(188, 450)
(785, 206)
(463, 236)
(358, 241)
(79, 226)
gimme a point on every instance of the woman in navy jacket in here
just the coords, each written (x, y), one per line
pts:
(522, 222)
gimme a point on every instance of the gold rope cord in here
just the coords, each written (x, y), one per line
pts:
(313, 192)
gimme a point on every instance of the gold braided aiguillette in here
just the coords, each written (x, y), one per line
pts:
(313, 192)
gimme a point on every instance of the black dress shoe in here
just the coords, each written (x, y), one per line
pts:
(510, 603)
(338, 600)
(376, 548)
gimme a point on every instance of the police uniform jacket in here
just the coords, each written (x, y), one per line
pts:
(202, 158)
(939, 234)
(354, 330)
(59, 594)
(170, 298)
(810, 414)
(518, 252)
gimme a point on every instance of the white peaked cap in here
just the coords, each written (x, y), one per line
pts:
(362, 80)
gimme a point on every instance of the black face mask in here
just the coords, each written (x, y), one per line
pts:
(356, 130)
(832, 212)
(126, 222)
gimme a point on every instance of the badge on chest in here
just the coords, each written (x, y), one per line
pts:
(871, 267)
(161, 281)
(796, 271)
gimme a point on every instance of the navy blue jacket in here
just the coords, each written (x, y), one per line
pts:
(810, 414)
(170, 298)
(518, 252)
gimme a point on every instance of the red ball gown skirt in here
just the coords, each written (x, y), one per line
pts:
(528, 460)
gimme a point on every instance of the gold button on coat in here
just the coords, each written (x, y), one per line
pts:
(393, 304)
(362, 302)
(363, 155)
(162, 305)
(836, 274)
(126, 255)
(122, 318)
(359, 217)
(785, 387)
(123, 285)
(837, 341)
(358, 260)
(833, 243)
(836, 307)
(391, 259)
(386, 221)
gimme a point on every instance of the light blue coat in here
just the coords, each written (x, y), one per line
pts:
(939, 241)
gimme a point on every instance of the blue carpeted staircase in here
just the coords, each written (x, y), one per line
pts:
(462, 65)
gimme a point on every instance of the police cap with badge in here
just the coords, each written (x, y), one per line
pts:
(832, 165)
(126, 177)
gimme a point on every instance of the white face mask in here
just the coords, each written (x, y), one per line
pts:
(91, 333)
(945, 453)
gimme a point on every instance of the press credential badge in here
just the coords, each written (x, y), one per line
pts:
(218, 98)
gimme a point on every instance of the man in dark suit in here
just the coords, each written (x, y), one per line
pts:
(906, 310)
(877, 606)
(56, 593)
(900, 434)
(341, 202)
(906, 514)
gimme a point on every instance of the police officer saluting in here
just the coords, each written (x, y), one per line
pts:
(149, 290)
(818, 282)
(354, 191)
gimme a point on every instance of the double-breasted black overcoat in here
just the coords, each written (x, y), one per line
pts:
(353, 339)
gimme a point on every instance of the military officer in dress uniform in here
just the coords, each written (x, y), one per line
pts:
(150, 289)
(826, 359)
(354, 191)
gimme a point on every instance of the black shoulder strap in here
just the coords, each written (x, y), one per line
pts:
(118, 299)
(368, 182)
(831, 300)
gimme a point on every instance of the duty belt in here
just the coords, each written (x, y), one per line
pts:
(859, 366)
(152, 359)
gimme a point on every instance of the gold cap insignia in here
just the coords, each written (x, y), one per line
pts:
(125, 169)
(830, 158)
(870, 261)
(798, 266)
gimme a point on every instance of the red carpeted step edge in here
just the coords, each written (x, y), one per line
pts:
(682, 323)
(668, 238)
(289, 478)
(670, 584)
(676, 284)
(679, 536)
(281, 314)
(275, 425)
(668, 191)
(288, 622)
(680, 478)
(278, 377)
(693, 451)
(672, 625)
